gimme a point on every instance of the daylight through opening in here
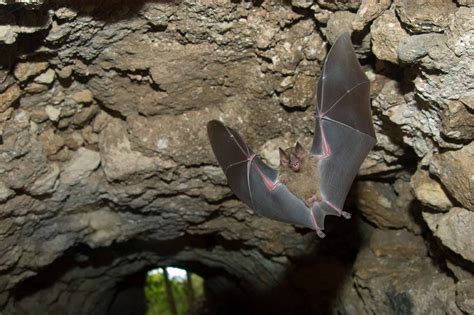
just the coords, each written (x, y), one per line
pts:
(173, 291)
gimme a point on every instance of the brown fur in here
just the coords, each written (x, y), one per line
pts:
(305, 182)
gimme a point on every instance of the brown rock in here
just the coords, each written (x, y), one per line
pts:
(429, 191)
(301, 95)
(368, 11)
(400, 244)
(65, 72)
(51, 142)
(25, 70)
(84, 115)
(424, 16)
(458, 121)
(454, 169)
(339, 22)
(387, 34)
(454, 229)
(340, 5)
(8, 97)
(408, 283)
(382, 205)
(83, 97)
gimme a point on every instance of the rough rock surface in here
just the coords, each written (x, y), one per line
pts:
(106, 172)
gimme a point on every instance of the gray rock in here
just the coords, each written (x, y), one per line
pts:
(415, 47)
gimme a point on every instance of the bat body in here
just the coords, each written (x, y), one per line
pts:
(343, 136)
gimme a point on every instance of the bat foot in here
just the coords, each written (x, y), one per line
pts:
(346, 215)
(320, 233)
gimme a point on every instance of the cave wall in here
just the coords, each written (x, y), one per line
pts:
(106, 172)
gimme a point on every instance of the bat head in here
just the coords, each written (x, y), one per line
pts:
(292, 157)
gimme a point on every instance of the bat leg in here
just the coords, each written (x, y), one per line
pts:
(346, 215)
(320, 233)
(311, 200)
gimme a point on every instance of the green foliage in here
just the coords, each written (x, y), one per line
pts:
(156, 294)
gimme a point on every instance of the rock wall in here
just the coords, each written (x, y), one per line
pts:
(106, 171)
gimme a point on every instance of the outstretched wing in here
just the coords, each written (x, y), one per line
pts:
(344, 132)
(253, 181)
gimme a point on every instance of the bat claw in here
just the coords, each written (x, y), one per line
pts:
(346, 215)
(320, 233)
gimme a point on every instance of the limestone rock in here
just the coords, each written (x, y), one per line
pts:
(387, 34)
(339, 22)
(454, 169)
(339, 5)
(384, 206)
(301, 95)
(368, 11)
(83, 97)
(423, 16)
(9, 96)
(454, 229)
(82, 164)
(46, 77)
(25, 70)
(45, 184)
(302, 3)
(52, 112)
(429, 191)
(465, 295)
(458, 120)
(120, 162)
(385, 282)
(5, 192)
(415, 47)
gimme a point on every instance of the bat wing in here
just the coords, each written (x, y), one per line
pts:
(344, 132)
(253, 181)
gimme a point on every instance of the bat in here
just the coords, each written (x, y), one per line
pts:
(343, 136)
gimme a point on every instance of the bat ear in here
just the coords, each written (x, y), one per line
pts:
(299, 150)
(284, 158)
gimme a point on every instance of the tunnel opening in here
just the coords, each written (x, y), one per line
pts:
(173, 291)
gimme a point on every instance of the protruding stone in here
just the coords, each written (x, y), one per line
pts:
(46, 77)
(458, 121)
(429, 191)
(368, 11)
(65, 72)
(8, 97)
(25, 70)
(82, 164)
(340, 22)
(387, 34)
(339, 5)
(415, 47)
(5, 192)
(301, 3)
(456, 172)
(83, 97)
(454, 229)
(465, 295)
(423, 16)
(52, 112)
(45, 184)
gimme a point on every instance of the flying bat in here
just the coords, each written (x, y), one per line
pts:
(309, 184)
